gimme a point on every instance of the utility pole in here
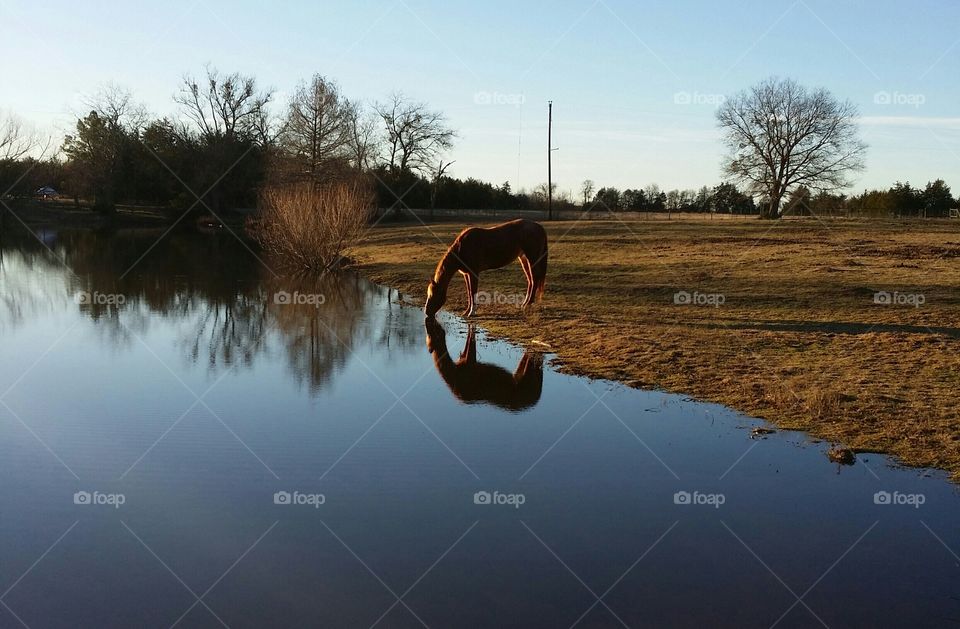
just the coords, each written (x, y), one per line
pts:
(550, 151)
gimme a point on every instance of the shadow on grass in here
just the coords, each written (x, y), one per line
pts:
(833, 327)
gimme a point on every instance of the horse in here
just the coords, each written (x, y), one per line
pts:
(478, 249)
(473, 382)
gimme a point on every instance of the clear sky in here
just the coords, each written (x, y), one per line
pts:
(634, 84)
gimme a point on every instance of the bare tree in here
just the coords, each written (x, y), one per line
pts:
(416, 136)
(673, 200)
(267, 129)
(116, 106)
(781, 135)
(318, 124)
(540, 194)
(103, 148)
(362, 142)
(587, 189)
(17, 138)
(230, 125)
(438, 174)
(228, 106)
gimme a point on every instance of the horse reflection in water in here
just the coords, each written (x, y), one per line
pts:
(474, 382)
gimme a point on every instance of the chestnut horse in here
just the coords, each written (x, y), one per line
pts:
(477, 249)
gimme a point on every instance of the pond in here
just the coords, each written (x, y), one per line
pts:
(187, 439)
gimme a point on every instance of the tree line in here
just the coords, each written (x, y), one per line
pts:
(935, 200)
(902, 200)
(228, 142)
(725, 198)
(790, 148)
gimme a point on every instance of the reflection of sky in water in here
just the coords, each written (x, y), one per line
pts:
(199, 397)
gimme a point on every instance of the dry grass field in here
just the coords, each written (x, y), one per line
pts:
(799, 338)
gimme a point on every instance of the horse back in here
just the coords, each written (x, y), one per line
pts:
(484, 248)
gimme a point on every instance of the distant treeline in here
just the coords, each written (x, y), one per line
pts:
(902, 200)
(230, 141)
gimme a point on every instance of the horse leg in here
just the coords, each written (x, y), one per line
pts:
(469, 354)
(466, 281)
(472, 280)
(528, 273)
(474, 287)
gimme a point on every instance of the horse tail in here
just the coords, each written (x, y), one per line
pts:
(540, 272)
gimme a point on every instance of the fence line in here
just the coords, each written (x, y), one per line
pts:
(440, 214)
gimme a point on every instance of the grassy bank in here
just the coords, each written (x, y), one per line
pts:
(797, 340)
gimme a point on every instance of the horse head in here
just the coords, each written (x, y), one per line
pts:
(436, 296)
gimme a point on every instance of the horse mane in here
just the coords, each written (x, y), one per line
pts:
(448, 265)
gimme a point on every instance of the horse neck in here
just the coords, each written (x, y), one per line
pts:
(438, 349)
(446, 269)
(448, 369)
(444, 363)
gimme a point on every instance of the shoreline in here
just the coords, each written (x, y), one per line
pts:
(836, 378)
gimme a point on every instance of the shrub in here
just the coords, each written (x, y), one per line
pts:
(308, 227)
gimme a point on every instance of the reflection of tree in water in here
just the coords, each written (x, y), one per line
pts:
(222, 299)
(29, 280)
(213, 288)
(207, 283)
(227, 332)
(401, 329)
(318, 339)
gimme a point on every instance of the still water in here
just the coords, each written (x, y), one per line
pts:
(186, 439)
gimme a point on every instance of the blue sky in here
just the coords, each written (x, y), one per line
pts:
(634, 84)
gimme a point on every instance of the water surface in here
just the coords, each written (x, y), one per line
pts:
(183, 379)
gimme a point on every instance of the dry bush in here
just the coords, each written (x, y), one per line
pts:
(308, 227)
